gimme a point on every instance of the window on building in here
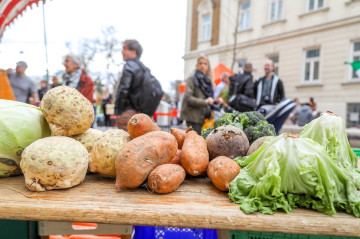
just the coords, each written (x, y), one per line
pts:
(355, 57)
(312, 65)
(353, 115)
(275, 10)
(206, 27)
(313, 5)
(244, 16)
(275, 59)
(241, 63)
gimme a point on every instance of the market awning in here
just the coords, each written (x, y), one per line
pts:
(11, 9)
(219, 70)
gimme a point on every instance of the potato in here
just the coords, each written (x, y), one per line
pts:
(177, 158)
(67, 111)
(194, 154)
(53, 163)
(222, 170)
(257, 144)
(227, 141)
(88, 138)
(140, 156)
(106, 148)
(166, 178)
(140, 124)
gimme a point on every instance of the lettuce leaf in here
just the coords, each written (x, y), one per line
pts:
(289, 172)
(329, 130)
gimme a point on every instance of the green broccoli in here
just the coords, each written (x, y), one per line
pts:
(206, 132)
(225, 119)
(263, 128)
(242, 119)
(254, 118)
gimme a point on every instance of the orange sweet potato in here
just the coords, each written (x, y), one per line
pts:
(194, 154)
(177, 159)
(140, 156)
(179, 135)
(222, 170)
(166, 178)
(140, 124)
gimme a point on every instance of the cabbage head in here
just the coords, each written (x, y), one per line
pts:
(329, 130)
(289, 172)
(20, 125)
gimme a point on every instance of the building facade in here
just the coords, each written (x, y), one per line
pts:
(309, 41)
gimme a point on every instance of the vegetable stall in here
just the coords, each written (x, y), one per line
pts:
(303, 184)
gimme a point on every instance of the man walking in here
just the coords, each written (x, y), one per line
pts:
(130, 83)
(22, 86)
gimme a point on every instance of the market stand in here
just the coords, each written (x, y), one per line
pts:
(195, 204)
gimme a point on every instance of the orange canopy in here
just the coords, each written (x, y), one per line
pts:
(219, 70)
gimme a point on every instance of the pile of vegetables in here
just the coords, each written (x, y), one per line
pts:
(252, 123)
(262, 172)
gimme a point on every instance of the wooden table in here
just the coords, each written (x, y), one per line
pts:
(196, 204)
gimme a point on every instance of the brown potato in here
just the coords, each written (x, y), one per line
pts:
(222, 170)
(257, 144)
(166, 178)
(194, 154)
(140, 156)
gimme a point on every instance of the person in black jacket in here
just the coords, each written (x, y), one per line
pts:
(130, 83)
(269, 90)
(241, 90)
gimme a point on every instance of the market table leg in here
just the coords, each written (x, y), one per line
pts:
(223, 234)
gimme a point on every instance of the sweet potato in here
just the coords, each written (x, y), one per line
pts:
(227, 141)
(140, 124)
(194, 154)
(179, 135)
(177, 159)
(222, 170)
(140, 156)
(166, 178)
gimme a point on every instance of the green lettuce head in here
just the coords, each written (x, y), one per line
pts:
(288, 172)
(329, 130)
(20, 125)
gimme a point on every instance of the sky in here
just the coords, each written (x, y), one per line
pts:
(159, 26)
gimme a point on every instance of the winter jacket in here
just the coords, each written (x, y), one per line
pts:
(277, 91)
(242, 84)
(86, 87)
(193, 108)
(129, 87)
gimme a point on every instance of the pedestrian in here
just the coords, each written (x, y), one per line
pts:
(222, 89)
(43, 89)
(22, 86)
(312, 104)
(270, 97)
(269, 89)
(303, 115)
(241, 90)
(77, 78)
(55, 82)
(130, 83)
(198, 95)
(106, 99)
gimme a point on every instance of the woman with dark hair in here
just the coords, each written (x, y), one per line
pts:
(198, 95)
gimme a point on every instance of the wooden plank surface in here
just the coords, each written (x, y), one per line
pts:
(196, 204)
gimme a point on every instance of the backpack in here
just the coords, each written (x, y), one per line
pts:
(240, 101)
(151, 93)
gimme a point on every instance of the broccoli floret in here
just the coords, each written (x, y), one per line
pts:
(225, 119)
(238, 125)
(255, 117)
(242, 119)
(263, 128)
(206, 132)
